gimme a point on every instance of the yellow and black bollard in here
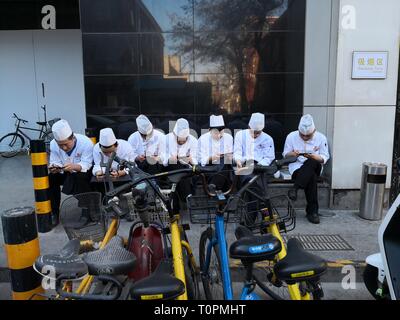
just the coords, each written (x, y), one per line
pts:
(41, 185)
(21, 244)
(91, 133)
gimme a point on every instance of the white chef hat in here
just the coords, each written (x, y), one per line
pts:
(257, 121)
(61, 130)
(181, 128)
(217, 121)
(306, 125)
(144, 125)
(107, 137)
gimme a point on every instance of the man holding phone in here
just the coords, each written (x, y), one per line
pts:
(311, 149)
(215, 147)
(148, 146)
(69, 166)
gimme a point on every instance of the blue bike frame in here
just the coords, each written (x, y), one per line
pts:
(219, 239)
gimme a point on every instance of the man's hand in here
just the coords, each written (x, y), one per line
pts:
(70, 167)
(173, 159)
(214, 158)
(99, 175)
(117, 173)
(314, 156)
(141, 158)
(294, 153)
(239, 164)
(54, 169)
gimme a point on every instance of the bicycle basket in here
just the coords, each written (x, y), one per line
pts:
(156, 210)
(202, 209)
(82, 218)
(256, 217)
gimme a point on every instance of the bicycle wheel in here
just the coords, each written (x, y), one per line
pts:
(191, 276)
(212, 277)
(11, 144)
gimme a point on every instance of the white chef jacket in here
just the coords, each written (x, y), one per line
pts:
(124, 151)
(82, 153)
(260, 149)
(153, 146)
(318, 145)
(207, 147)
(172, 148)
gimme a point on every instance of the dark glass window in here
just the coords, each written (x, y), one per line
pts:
(190, 58)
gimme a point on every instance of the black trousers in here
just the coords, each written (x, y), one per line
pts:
(306, 178)
(73, 183)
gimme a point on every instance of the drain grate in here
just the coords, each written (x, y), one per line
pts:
(315, 242)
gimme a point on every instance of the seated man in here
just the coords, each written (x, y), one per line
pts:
(311, 149)
(148, 146)
(71, 157)
(216, 147)
(105, 147)
(253, 146)
(181, 149)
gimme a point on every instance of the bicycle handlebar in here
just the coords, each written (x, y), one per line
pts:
(19, 119)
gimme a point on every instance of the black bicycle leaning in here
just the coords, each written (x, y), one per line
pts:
(13, 143)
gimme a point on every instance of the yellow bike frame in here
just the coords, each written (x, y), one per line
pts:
(294, 290)
(177, 253)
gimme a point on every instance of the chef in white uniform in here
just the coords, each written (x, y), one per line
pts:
(311, 149)
(108, 144)
(71, 160)
(216, 147)
(254, 145)
(148, 146)
(181, 146)
(181, 149)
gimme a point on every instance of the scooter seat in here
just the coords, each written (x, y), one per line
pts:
(113, 259)
(67, 262)
(160, 285)
(250, 248)
(299, 265)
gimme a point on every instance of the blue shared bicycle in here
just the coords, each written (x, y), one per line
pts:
(291, 267)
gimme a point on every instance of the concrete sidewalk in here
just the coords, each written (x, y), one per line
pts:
(17, 190)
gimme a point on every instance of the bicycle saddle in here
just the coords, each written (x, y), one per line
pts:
(299, 265)
(113, 259)
(160, 285)
(40, 123)
(250, 248)
(67, 262)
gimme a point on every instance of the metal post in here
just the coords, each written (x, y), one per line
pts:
(41, 185)
(22, 249)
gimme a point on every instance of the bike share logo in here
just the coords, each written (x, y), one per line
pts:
(262, 248)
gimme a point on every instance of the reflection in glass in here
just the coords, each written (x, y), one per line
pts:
(191, 58)
(241, 40)
(115, 95)
(111, 53)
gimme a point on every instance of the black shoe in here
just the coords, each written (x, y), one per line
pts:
(313, 218)
(292, 194)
